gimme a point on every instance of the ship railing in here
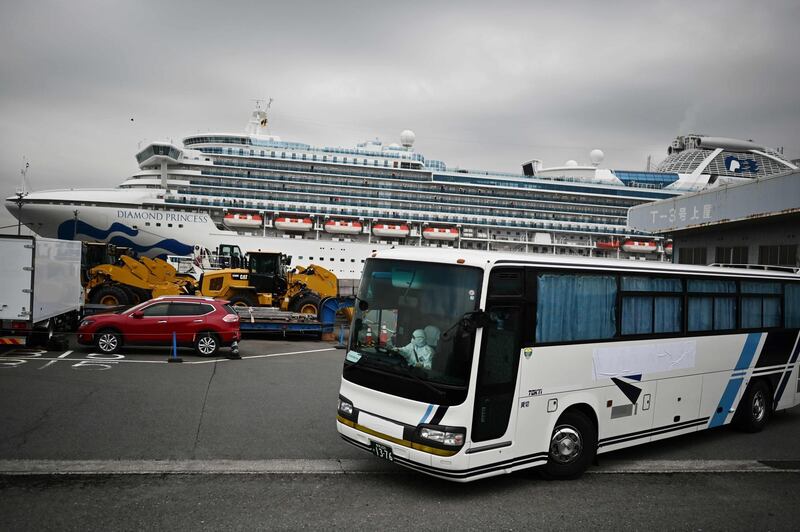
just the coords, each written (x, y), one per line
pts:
(766, 267)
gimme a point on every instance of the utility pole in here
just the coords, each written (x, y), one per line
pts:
(74, 224)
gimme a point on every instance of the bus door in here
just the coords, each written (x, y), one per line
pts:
(503, 335)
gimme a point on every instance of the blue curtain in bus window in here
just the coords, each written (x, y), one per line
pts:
(751, 312)
(716, 287)
(760, 287)
(651, 284)
(724, 313)
(668, 316)
(772, 311)
(701, 311)
(575, 307)
(792, 305)
(637, 315)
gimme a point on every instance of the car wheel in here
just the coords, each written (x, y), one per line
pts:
(573, 445)
(755, 407)
(206, 344)
(108, 341)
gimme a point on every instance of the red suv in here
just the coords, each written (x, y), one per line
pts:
(202, 322)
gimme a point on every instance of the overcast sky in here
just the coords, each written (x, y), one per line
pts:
(484, 85)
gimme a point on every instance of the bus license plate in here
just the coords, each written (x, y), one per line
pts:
(382, 451)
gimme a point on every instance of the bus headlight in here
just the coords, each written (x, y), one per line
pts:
(345, 407)
(446, 437)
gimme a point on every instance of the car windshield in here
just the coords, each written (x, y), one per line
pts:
(412, 325)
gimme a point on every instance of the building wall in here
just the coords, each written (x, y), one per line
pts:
(782, 232)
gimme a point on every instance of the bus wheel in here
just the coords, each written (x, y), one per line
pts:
(572, 446)
(755, 407)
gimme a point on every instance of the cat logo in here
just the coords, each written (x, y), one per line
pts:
(239, 276)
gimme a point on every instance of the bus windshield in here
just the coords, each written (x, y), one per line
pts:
(410, 322)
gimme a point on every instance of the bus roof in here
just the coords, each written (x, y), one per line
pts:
(489, 259)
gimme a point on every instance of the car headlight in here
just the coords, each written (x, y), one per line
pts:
(85, 323)
(447, 436)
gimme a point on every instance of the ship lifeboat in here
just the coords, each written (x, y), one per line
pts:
(607, 244)
(242, 220)
(440, 233)
(293, 224)
(668, 248)
(343, 227)
(639, 246)
(389, 230)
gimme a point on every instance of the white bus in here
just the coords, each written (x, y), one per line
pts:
(465, 364)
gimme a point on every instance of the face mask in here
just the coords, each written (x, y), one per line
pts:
(418, 342)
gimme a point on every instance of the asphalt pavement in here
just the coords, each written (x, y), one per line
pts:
(138, 442)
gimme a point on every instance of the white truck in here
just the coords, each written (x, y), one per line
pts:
(40, 288)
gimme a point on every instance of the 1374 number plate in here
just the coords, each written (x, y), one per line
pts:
(382, 451)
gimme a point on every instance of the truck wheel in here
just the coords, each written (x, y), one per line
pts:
(306, 303)
(108, 341)
(110, 295)
(572, 446)
(243, 300)
(206, 344)
(755, 407)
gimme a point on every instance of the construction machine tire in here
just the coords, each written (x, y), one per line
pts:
(110, 295)
(243, 300)
(136, 295)
(305, 303)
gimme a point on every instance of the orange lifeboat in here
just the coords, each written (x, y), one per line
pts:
(668, 248)
(343, 227)
(639, 246)
(440, 233)
(242, 220)
(293, 224)
(390, 230)
(608, 243)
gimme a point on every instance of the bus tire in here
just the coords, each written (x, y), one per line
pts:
(755, 407)
(572, 447)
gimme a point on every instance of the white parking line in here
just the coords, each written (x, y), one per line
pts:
(264, 356)
(66, 354)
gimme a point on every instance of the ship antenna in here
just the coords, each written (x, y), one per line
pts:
(21, 193)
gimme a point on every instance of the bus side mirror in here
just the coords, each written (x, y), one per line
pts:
(475, 320)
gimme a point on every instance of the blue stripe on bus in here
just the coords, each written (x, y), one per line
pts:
(788, 372)
(732, 389)
(426, 414)
(748, 351)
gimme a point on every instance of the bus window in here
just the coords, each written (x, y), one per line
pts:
(712, 305)
(792, 305)
(563, 297)
(761, 304)
(651, 305)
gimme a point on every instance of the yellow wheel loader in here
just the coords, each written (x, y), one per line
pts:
(267, 282)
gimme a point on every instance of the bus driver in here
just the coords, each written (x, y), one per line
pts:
(418, 353)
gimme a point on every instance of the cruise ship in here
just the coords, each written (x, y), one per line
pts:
(334, 206)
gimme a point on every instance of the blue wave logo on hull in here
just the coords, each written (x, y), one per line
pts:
(70, 229)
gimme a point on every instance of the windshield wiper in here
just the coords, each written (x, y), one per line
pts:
(408, 370)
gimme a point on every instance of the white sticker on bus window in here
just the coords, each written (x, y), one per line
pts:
(632, 360)
(353, 356)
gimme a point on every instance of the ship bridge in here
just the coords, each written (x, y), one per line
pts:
(159, 154)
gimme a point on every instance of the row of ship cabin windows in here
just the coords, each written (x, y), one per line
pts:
(639, 305)
(158, 224)
(331, 259)
(324, 158)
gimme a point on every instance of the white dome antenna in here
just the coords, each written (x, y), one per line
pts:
(596, 156)
(407, 138)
